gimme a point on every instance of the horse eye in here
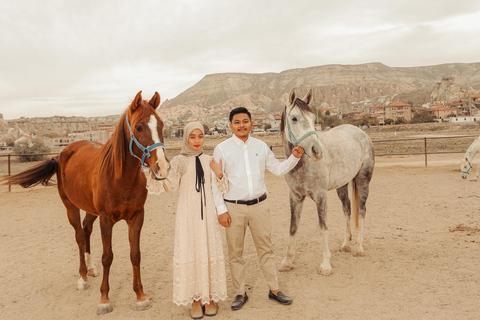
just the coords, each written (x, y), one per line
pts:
(294, 119)
(139, 128)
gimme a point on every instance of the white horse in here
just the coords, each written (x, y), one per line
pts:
(466, 164)
(341, 155)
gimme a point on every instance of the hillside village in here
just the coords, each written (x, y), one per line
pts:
(395, 112)
(370, 94)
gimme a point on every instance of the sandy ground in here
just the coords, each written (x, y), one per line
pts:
(422, 254)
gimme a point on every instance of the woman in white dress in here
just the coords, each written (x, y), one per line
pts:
(198, 260)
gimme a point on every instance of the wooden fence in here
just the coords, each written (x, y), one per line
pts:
(390, 147)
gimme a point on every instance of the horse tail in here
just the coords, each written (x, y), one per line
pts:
(39, 174)
(355, 201)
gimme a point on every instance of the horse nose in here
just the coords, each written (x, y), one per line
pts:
(158, 168)
(316, 153)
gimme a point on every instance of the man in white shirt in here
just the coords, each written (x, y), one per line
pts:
(244, 162)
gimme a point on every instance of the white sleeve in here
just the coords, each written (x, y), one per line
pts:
(217, 195)
(279, 168)
(172, 181)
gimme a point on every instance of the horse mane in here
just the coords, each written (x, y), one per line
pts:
(114, 150)
(302, 105)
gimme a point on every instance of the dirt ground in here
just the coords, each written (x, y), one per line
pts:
(422, 245)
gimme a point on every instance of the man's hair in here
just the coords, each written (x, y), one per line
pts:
(239, 110)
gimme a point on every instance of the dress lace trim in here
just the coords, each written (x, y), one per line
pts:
(222, 183)
(210, 286)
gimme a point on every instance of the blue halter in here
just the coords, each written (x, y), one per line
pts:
(291, 137)
(468, 171)
(146, 151)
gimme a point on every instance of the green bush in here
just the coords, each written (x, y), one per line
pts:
(29, 150)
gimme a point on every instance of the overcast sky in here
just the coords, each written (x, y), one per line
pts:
(90, 58)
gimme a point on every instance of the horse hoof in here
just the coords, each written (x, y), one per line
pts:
(143, 305)
(285, 268)
(325, 272)
(93, 272)
(360, 254)
(82, 285)
(345, 249)
(104, 308)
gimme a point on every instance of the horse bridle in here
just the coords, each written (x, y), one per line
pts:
(468, 171)
(292, 138)
(146, 151)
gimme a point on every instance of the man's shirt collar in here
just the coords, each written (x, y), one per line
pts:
(240, 141)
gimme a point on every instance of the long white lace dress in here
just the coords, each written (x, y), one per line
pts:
(198, 260)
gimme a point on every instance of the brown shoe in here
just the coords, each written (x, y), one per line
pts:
(197, 310)
(211, 309)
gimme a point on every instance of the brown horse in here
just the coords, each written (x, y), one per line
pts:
(107, 181)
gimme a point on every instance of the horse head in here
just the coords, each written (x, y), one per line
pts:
(465, 167)
(298, 125)
(145, 135)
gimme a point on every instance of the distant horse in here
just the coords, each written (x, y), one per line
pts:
(466, 164)
(341, 155)
(107, 181)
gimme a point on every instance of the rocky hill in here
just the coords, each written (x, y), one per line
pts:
(345, 88)
(57, 126)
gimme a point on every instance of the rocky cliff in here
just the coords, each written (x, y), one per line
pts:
(56, 126)
(343, 87)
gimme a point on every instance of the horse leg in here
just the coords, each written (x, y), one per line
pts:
(106, 226)
(134, 230)
(73, 214)
(342, 193)
(87, 230)
(321, 200)
(296, 205)
(362, 181)
(476, 173)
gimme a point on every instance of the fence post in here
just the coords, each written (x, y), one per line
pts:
(9, 172)
(425, 151)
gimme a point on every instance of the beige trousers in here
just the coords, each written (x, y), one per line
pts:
(257, 218)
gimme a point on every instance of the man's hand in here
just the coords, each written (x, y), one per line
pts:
(298, 152)
(224, 220)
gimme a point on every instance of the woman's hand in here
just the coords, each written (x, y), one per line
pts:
(217, 168)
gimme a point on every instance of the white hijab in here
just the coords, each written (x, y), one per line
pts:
(186, 150)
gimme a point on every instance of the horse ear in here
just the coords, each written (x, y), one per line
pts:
(309, 97)
(155, 101)
(292, 96)
(137, 101)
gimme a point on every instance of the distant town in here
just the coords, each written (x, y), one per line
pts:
(458, 111)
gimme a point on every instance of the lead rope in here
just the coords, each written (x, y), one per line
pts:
(200, 181)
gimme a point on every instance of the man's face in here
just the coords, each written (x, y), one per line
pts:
(241, 125)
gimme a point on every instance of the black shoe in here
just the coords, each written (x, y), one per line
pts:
(239, 301)
(280, 298)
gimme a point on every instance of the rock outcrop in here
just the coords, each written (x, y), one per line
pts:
(343, 87)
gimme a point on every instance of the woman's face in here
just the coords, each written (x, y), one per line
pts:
(195, 139)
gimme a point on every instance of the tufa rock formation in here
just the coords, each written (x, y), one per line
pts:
(345, 88)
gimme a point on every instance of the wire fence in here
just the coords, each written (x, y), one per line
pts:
(10, 163)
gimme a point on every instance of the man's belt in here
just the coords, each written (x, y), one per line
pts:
(249, 202)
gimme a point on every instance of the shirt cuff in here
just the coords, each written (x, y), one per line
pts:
(293, 159)
(222, 209)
